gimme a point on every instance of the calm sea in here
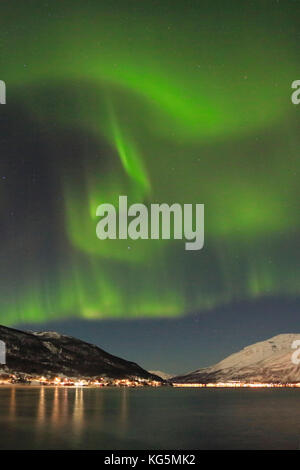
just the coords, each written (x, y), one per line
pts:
(112, 418)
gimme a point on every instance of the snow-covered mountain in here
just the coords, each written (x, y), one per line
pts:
(268, 361)
(49, 354)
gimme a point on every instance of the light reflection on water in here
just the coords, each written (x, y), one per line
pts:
(112, 418)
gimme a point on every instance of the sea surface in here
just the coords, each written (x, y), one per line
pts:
(148, 418)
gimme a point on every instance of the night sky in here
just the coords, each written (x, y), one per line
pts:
(162, 101)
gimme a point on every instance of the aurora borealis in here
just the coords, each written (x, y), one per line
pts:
(173, 101)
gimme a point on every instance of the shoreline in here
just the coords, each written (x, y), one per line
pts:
(172, 385)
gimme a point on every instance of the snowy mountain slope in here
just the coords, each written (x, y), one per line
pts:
(266, 361)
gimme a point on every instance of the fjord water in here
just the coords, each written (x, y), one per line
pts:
(148, 418)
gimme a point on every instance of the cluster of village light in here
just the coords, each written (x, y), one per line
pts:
(238, 385)
(132, 382)
(82, 382)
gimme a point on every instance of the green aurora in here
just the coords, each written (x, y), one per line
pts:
(168, 102)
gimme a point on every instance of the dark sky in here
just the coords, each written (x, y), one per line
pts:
(165, 102)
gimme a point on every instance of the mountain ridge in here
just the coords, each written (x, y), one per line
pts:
(268, 361)
(49, 353)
